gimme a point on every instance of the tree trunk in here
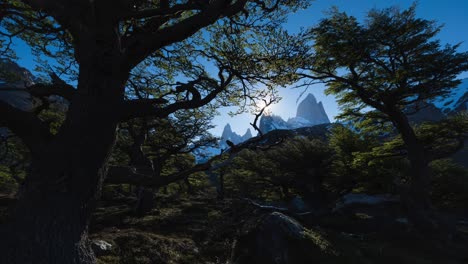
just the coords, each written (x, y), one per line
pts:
(48, 229)
(49, 223)
(416, 197)
(145, 202)
(220, 188)
(189, 185)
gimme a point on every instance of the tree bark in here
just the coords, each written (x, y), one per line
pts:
(145, 201)
(220, 188)
(47, 230)
(416, 197)
(49, 222)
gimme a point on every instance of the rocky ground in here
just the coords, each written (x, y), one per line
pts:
(199, 228)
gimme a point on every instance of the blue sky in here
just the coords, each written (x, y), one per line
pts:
(453, 14)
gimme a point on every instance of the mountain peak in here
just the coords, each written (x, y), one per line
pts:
(227, 128)
(310, 98)
(232, 136)
(19, 78)
(312, 111)
(247, 135)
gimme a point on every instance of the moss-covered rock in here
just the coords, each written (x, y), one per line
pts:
(278, 239)
(137, 247)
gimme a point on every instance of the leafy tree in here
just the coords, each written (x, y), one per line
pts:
(346, 143)
(449, 184)
(194, 53)
(381, 68)
(298, 166)
(152, 147)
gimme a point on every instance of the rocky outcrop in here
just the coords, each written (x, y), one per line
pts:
(228, 134)
(279, 239)
(427, 112)
(13, 82)
(204, 153)
(312, 111)
(352, 199)
(247, 135)
(235, 138)
(100, 247)
(455, 102)
(272, 122)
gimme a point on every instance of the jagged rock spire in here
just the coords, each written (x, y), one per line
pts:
(312, 111)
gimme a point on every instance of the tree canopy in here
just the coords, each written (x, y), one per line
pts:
(380, 70)
(114, 61)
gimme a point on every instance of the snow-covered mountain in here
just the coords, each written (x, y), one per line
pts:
(13, 82)
(204, 153)
(457, 101)
(235, 138)
(312, 111)
(272, 122)
(441, 107)
(309, 113)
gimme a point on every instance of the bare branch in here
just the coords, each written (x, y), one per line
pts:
(259, 114)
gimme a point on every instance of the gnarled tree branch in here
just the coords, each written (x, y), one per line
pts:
(140, 45)
(27, 126)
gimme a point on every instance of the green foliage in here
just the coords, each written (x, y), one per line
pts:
(165, 145)
(449, 185)
(298, 166)
(444, 138)
(391, 59)
(7, 183)
(362, 162)
(381, 69)
(440, 139)
(14, 158)
(54, 116)
(346, 143)
(385, 66)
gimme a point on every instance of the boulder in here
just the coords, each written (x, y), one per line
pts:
(366, 213)
(356, 199)
(279, 239)
(101, 247)
(297, 204)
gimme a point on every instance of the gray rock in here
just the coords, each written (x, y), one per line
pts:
(365, 199)
(279, 239)
(13, 82)
(235, 138)
(312, 111)
(402, 220)
(101, 247)
(297, 204)
(272, 122)
(247, 135)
